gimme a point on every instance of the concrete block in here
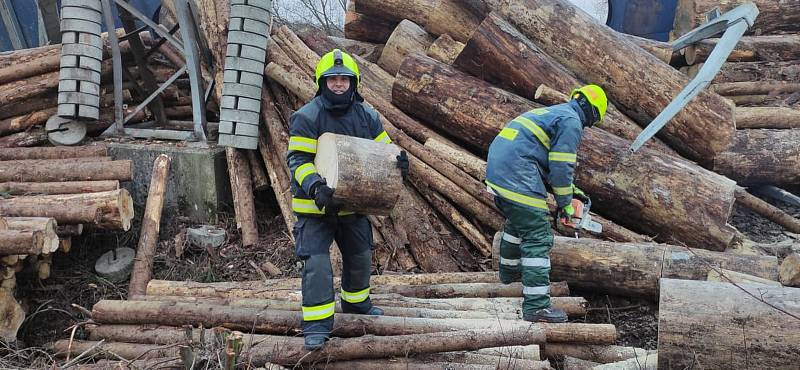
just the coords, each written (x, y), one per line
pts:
(198, 186)
(206, 236)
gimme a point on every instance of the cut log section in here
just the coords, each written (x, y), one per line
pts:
(758, 71)
(369, 28)
(466, 161)
(729, 276)
(242, 189)
(767, 210)
(445, 49)
(749, 49)
(770, 157)
(790, 270)
(773, 16)
(767, 117)
(22, 123)
(11, 315)
(110, 209)
(48, 188)
(599, 354)
(397, 10)
(66, 171)
(755, 88)
(25, 242)
(43, 225)
(744, 326)
(454, 18)
(59, 152)
(363, 173)
(406, 39)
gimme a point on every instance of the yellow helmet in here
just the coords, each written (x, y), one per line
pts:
(337, 63)
(596, 97)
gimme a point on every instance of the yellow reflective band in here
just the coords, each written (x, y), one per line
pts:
(562, 157)
(508, 133)
(307, 206)
(302, 144)
(320, 312)
(535, 130)
(567, 190)
(303, 171)
(355, 297)
(519, 198)
(539, 111)
(383, 138)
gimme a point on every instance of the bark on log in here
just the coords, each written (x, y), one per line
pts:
(648, 361)
(70, 187)
(33, 137)
(573, 306)
(27, 242)
(69, 230)
(295, 81)
(661, 50)
(572, 363)
(403, 364)
(767, 117)
(790, 270)
(466, 290)
(471, 358)
(128, 351)
(110, 209)
(151, 222)
(171, 313)
(415, 11)
(757, 100)
(242, 189)
(444, 48)
(762, 157)
(65, 171)
(407, 38)
(363, 172)
(773, 16)
(464, 160)
(12, 315)
(755, 88)
(758, 71)
(271, 145)
(767, 210)
(260, 179)
(575, 40)
(606, 172)
(45, 226)
(601, 354)
(593, 264)
(22, 123)
(322, 44)
(369, 28)
(743, 326)
(749, 49)
(729, 276)
(65, 243)
(454, 18)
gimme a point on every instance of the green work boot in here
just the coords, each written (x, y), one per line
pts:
(550, 314)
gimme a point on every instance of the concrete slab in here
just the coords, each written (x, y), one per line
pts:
(198, 185)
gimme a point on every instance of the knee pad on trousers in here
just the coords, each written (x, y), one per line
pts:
(317, 280)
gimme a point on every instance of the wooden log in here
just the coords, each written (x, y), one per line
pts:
(474, 110)
(755, 88)
(790, 270)
(466, 161)
(272, 321)
(468, 290)
(110, 209)
(271, 145)
(773, 16)
(65, 244)
(406, 39)
(363, 172)
(22, 123)
(749, 48)
(21, 90)
(572, 363)
(151, 222)
(661, 50)
(43, 102)
(65, 171)
(44, 225)
(454, 18)
(322, 44)
(403, 364)
(648, 361)
(729, 276)
(601, 354)
(444, 48)
(260, 179)
(369, 28)
(757, 100)
(69, 230)
(128, 351)
(643, 264)
(574, 39)
(32, 137)
(294, 80)
(27, 242)
(45, 188)
(415, 11)
(762, 157)
(767, 210)
(573, 306)
(470, 358)
(767, 117)
(766, 316)
(758, 71)
(529, 352)
(12, 315)
(242, 189)
(169, 363)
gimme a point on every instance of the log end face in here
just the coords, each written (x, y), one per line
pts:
(125, 204)
(789, 271)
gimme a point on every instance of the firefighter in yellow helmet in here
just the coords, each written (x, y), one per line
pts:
(534, 152)
(339, 109)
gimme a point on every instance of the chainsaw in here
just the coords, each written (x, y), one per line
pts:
(581, 219)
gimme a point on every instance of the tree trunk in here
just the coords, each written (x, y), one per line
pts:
(749, 49)
(272, 143)
(242, 189)
(728, 276)
(109, 210)
(577, 41)
(601, 354)
(151, 222)
(128, 351)
(758, 100)
(597, 265)
(260, 179)
(45, 188)
(397, 10)
(661, 50)
(767, 117)
(22, 123)
(773, 16)
(295, 81)
(445, 49)
(755, 88)
(744, 326)
(407, 38)
(471, 358)
(369, 28)
(758, 71)
(66, 170)
(271, 321)
(648, 361)
(790, 270)
(363, 172)
(45, 226)
(25, 242)
(464, 160)
(769, 157)
(57, 152)
(767, 210)
(453, 18)
(33, 137)
(483, 110)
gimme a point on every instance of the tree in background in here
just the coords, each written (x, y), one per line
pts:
(324, 15)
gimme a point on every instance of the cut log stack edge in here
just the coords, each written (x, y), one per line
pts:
(445, 77)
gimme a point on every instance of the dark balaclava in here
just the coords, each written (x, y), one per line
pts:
(338, 104)
(590, 113)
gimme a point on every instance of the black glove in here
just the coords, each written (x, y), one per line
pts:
(323, 195)
(402, 164)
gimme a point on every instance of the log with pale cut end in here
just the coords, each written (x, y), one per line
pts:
(151, 222)
(11, 315)
(68, 187)
(27, 242)
(790, 270)
(573, 38)
(767, 117)
(729, 276)
(600, 354)
(242, 190)
(22, 123)
(647, 361)
(280, 322)
(762, 156)
(726, 326)
(407, 38)
(65, 244)
(46, 226)
(755, 88)
(363, 173)
(64, 170)
(109, 209)
(659, 49)
(596, 265)
(474, 110)
(774, 17)
(767, 210)
(445, 49)
(466, 161)
(415, 11)
(454, 18)
(750, 48)
(758, 71)
(369, 28)
(294, 80)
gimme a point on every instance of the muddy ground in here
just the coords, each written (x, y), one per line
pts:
(55, 305)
